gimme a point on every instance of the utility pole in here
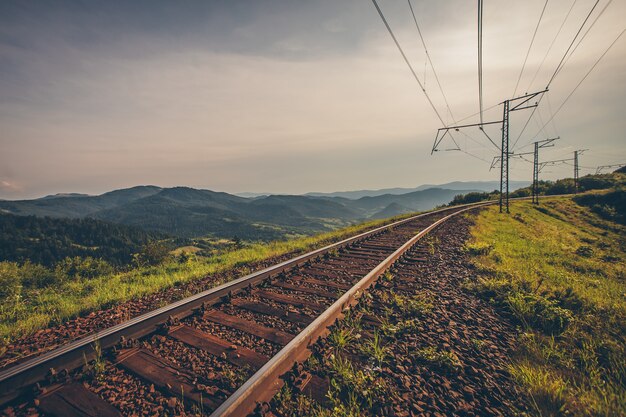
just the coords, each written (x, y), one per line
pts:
(509, 105)
(539, 144)
(536, 175)
(575, 172)
(577, 168)
(504, 160)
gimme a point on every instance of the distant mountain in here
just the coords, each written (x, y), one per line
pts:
(188, 212)
(77, 206)
(61, 195)
(457, 185)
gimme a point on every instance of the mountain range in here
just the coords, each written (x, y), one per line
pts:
(189, 212)
(487, 186)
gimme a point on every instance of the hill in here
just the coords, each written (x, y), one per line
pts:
(456, 185)
(188, 212)
(46, 240)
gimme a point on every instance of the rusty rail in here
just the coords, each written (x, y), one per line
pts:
(16, 380)
(266, 381)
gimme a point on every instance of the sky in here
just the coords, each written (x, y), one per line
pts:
(293, 96)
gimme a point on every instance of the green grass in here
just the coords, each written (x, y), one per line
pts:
(559, 270)
(25, 309)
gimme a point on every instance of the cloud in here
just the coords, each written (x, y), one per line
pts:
(291, 97)
(9, 187)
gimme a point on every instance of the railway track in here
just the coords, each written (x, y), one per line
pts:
(221, 351)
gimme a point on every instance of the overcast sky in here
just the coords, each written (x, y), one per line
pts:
(289, 96)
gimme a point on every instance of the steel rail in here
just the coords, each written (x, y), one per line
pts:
(266, 381)
(15, 380)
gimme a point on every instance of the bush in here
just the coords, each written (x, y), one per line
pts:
(153, 253)
(37, 276)
(9, 280)
(77, 268)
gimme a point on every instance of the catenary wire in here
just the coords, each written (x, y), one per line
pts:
(584, 78)
(480, 58)
(551, 45)
(530, 47)
(430, 61)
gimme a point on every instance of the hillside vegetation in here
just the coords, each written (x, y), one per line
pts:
(33, 297)
(190, 213)
(47, 241)
(559, 270)
(546, 188)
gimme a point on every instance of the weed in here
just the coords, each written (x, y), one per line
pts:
(446, 361)
(535, 311)
(478, 344)
(413, 306)
(387, 276)
(375, 349)
(352, 391)
(340, 338)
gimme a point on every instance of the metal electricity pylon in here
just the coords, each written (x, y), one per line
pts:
(509, 106)
(577, 168)
(546, 143)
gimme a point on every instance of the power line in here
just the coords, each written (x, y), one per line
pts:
(395, 40)
(430, 60)
(584, 78)
(556, 71)
(530, 47)
(477, 113)
(558, 67)
(551, 45)
(586, 32)
(382, 16)
(480, 58)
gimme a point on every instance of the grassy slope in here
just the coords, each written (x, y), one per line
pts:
(559, 269)
(30, 310)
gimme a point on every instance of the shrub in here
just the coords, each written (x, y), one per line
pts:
(153, 253)
(77, 268)
(9, 280)
(37, 276)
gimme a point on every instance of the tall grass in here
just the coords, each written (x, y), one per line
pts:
(25, 311)
(559, 269)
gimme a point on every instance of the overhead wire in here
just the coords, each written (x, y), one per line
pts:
(430, 61)
(382, 16)
(530, 47)
(584, 78)
(551, 45)
(558, 67)
(556, 71)
(406, 60)
(586, 32)
(480, 58)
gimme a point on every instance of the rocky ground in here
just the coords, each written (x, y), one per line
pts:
(435, 350)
